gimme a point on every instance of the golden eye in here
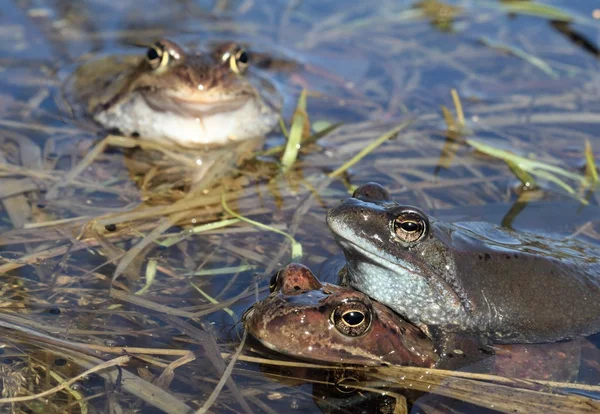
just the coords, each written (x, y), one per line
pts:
(239, 60)
(157, 57)
(352, 318)
(410, 227)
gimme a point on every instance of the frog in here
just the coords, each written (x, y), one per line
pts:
(170, 95)
(506, 285)
(307, 319)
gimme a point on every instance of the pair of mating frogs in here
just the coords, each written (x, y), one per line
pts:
(414, 285)
(408, 275)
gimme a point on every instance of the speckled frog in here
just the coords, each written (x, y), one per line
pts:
(191, 99)
(513, 287)
(322, 322)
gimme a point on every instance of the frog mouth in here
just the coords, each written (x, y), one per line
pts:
(194, 107)
(398, 266)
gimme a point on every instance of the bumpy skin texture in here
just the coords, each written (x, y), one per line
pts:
(512, 286)
(296, 320)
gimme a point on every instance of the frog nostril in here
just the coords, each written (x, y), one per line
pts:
(297, 287)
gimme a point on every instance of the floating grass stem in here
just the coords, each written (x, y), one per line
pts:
(213, 301)
(520, 53)
(65, 384)
(537, 9)
(455, 127)
(460, 115)
(449, 119)
(591, 170)
(534, 168)
(150, 276)
(368, 149)
(283, 127)
(74, 393)
(221, 271)
(310, 140)
(196, 230)
(300, 127)
(526, 179)
(296, 247)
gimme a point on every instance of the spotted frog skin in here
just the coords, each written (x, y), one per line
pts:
(306, 319)
(190, 99)
(513, 287)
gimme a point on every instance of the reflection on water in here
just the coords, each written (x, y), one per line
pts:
(143, 226)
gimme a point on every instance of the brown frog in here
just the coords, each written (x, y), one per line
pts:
(191, 99)
(307, 319)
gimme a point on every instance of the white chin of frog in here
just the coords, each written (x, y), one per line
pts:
(245, 121)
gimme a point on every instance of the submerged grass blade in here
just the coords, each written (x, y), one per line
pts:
(196, 230)
(64, 384)
(214, 301)
(591, 170)
(150, 276)
(449, 119)
(369, 148)
(83, 407)
(320, 125)
(221, 271)
(128, 258)
(456, 128)
(532, 166)
(284, 129)
(296, 247)
(520, 53)
(320, 133)
(226, 374)
(554, 179)
(535, 168)
(460, 115)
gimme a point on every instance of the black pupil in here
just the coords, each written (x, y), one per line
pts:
(152, 54)
(353, 318)
(243, 57)
(409, 226)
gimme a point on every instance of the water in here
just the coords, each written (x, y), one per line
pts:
(368, 66)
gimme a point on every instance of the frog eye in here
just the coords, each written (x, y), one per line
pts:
(273, 281)
(239, 60)
(157, 56)
(410, 226)
(352, 318)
